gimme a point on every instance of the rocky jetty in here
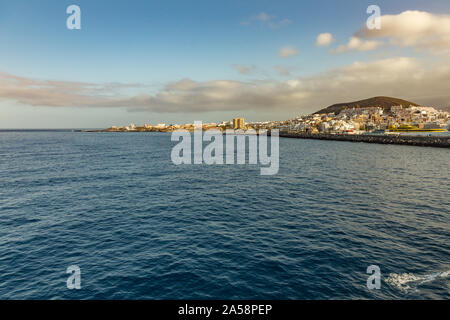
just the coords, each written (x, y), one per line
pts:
(422, 141)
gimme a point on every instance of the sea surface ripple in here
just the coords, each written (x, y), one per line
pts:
(140, 227)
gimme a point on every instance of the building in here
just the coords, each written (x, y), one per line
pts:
(238, 123)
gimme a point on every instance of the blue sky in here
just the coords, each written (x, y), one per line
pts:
(151, 44)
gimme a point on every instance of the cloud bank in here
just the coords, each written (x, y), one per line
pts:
(399, 77)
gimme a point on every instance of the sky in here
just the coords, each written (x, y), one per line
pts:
(178, 61)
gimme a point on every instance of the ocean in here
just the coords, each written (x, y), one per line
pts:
(140, 227)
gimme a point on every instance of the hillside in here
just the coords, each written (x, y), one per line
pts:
(384, 102)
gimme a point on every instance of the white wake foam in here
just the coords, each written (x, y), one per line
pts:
(410, 281)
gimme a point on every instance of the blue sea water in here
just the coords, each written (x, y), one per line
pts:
(140, 227)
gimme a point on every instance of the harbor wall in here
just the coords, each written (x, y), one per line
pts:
(422, 141)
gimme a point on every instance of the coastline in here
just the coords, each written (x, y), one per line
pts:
(416, 140)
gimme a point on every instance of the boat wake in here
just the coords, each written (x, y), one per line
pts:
(411, 282)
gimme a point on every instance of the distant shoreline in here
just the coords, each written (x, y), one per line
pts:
(416, 140)
(400, 139)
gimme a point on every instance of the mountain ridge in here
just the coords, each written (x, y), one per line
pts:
(381, 101)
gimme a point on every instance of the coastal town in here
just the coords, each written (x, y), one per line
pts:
(350, 121)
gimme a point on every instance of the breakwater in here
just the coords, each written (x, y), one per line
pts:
(422, 141)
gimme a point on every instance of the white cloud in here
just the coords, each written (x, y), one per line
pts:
(243, 69)
(279, 23)
(324, 39)
(288, 51)
(282, 71)
(416, 29)
(263, 17)
(266, 19)
(356, 44)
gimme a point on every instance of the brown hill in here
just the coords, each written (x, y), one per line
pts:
(384, 102)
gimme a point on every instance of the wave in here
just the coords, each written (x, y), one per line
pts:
(410, 281)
